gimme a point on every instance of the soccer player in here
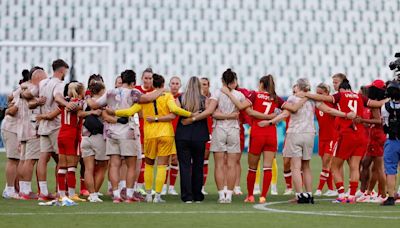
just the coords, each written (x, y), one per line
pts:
(159, 139)
(262, 140)
(52, 90)
(173, 168)
(11, 144)
(351, 144)
(300, 137)
(205, 91)
(146, 87)
(28, 130)
(122, 138)
(376, 140)
(68, 140)
(326, 144)
(93, 144)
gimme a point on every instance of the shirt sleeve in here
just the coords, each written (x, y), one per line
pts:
(280, 102)
(102, 101)
(58, 89)
(175, 109)
(336, 98)
(129, 111)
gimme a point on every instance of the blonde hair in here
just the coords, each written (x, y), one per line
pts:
(75, 89)
(324, 87)
(341, 76)
(303, 84)
(175, 77)
(191, 98)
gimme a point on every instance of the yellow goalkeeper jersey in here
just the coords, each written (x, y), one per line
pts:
(163, 105)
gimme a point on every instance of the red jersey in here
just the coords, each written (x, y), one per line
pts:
(349, 102)
(141, 121)
(176, 120)
(264, 103)
(326, 128)
(71, 124)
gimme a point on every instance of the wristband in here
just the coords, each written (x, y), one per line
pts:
(156, 119)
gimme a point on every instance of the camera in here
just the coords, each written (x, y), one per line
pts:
(395, 66)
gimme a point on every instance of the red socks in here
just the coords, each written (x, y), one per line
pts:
(323, 177)
(339, 187)
(251, 179)
(61, 179)
(288, 179)
(141, 175)
(266, 181)
(173, 174)
(353, 187)
(71, 179)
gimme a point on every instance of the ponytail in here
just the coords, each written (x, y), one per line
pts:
(268, 84)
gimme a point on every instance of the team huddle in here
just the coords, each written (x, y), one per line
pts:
(143, 135)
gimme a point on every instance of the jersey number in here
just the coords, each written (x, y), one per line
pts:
(353, 105)
(268, 106)
(67, 117)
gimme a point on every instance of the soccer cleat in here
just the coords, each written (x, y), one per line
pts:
(274, 190)
(377, 199)
(359, 194)
(249, 199)
(172, 192)
(13, 195)
(257, 190)
(288, 192)
(389, 202)
(99, 194)
(318, 193)
(331, 193)
(351, 200)
(237, 191)
(65, 201)
(30, 196)
(131, 200)
(95, 199)
(123, 194)
(262, 200)
(188, 202)
(340, 200)
(138, 196)
(117, 200)
(157, 199)
(364, 198)
(142, 191)
(203, 190)
(149, 198)
(84, 192)
(76, 198)
(49, 197)
(164, 190)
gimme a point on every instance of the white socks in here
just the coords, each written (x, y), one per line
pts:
(117, 194)
(129, 192)
(221, 194)
(229, 195)
(71, 192)
(43, 188)
(121, 185)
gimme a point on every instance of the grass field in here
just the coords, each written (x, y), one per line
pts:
(276, 213)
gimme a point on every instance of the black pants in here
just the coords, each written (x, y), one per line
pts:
(191, 162)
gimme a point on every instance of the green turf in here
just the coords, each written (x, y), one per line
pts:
(174, 213)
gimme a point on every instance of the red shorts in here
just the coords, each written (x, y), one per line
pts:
(68, 146)
(260, 144)
(376, 141)
(208, 144)
(326, 147)
(351, 144)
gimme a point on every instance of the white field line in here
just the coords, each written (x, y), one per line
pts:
(126, 213)
(265, 207)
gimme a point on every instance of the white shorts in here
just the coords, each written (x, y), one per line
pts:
(94, 145)
(225, 140)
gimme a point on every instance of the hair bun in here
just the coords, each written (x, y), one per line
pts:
(229, 70)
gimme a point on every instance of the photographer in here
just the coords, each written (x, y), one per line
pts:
(391, 125)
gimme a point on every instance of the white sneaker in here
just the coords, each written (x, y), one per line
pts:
(363, 199)
(149, 198)
(99, 194)
(153, 192)
(288, 192)
(203, 190)
(221, 200)
(257, 190)
(65, 201)
(359, 194)
(375, 199)
(318, 193)
(228, 200)
(164, 190)
(172, 192)
(95, 199)
(157, 199)
(331, 193)
(274, 190)
(237, 190)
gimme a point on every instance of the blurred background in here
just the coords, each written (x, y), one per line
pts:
(286, 38)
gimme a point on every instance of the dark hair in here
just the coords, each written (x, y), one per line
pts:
(96, 77)
(205, 78)
(33, 69)
(57, 64)
(375, 93)
(269, 86)
(229, 76)
(128, 77)
(25, 76)
(147, 70)
(65, 93)
(345, 85)
(158, 81)
(96, 87)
